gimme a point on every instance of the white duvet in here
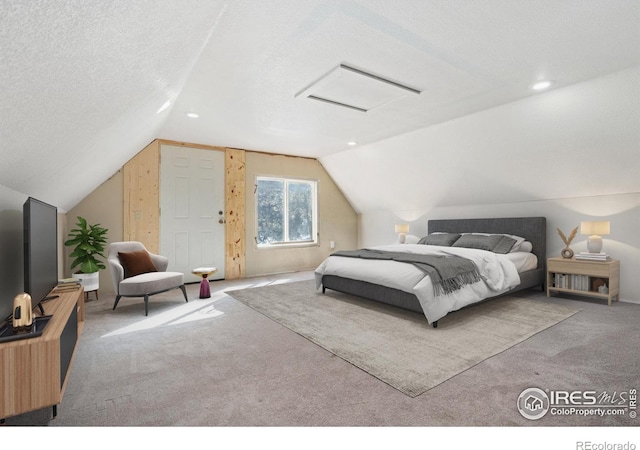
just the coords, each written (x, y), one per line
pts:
(498, 275)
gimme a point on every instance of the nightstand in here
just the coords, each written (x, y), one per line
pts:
(579, 277)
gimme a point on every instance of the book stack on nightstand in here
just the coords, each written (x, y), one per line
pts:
(586, 256)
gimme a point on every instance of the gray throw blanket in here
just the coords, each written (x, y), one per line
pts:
(447, 273)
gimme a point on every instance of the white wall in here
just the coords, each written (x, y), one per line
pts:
(622, 210)
(570, 154)
(576, 141)
(103, 206)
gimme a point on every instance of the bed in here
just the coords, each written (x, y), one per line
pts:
(404, 285)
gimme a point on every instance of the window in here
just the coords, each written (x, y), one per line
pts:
(286, 211)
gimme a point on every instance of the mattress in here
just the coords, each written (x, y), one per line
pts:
(523, 261)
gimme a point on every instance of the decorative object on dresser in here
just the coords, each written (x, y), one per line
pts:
(22, 314)
(595, 229)
(599, 279)
(402, 229)
(566, 251)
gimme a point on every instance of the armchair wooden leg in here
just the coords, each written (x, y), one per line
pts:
(184, 292)
(117, 300)
(146, 304)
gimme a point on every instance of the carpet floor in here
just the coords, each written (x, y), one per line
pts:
(219, 363)
(399, 347)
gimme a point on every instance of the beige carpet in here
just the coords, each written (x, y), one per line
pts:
(396, 346)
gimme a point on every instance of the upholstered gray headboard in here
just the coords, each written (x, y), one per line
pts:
(533, 229)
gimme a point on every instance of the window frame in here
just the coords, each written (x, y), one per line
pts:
(315, 240)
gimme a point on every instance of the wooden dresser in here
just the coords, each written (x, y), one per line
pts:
(34, 371)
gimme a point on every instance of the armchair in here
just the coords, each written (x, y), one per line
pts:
(136, 272)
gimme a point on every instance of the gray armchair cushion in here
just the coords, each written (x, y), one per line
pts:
(151, 282)
(118, 272)
(142, 284)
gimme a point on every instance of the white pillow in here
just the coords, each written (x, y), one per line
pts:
(526, 246)
(411, 239)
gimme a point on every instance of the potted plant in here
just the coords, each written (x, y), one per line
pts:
(89, 242)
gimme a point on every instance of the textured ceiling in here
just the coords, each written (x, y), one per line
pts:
(83, 81)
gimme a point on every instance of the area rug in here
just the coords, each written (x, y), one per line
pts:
(396, 346)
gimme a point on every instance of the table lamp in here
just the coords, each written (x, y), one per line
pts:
(402, 229)
(595, 229)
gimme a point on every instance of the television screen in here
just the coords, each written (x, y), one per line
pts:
(40, 249)
(11, 251)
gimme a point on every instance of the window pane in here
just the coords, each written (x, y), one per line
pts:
(300, 211)
(270, 211)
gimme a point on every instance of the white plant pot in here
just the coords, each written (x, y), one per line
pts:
(89, 281)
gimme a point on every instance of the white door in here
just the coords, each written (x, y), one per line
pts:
(192, 210)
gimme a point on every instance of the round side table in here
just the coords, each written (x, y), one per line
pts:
(204, 272)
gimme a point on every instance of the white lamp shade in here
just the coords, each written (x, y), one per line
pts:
(402, 229)
(598, 228)
(594, 229)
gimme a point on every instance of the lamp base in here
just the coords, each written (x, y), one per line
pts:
(594, 244)
(402, 237)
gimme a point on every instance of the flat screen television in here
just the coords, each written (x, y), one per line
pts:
(40, 237)
(11, 252)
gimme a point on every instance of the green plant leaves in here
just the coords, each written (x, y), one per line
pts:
(89, 243)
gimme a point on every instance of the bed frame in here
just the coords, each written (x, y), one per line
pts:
(533, 229)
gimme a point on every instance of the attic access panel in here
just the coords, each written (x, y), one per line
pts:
(353, 88)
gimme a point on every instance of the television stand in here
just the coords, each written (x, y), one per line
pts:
(35, 371)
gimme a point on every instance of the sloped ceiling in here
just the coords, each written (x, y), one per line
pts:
(84, 82)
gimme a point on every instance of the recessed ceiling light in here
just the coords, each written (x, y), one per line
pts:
(352, 143)
(540, 85)
(164, 106)
(193, 115)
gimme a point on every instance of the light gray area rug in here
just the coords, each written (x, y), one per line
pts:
(396, 346)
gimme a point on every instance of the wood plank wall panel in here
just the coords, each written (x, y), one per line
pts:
(235, 205)
(141, 213)
(142, 202)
